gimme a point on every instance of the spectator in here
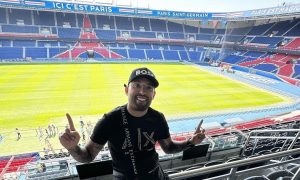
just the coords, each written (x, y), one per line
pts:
(47, 134)
(54, 129)
(18, 134)
(1, 138)
(41, 167)
(131, 131)
(50, 130)
(89, 128)
(46, 150)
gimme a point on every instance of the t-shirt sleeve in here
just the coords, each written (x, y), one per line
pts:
(101, 131)
(164, 128)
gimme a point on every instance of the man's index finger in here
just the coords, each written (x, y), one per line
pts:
(199, 126)
(71, 124)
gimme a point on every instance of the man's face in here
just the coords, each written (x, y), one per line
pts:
(140, 94)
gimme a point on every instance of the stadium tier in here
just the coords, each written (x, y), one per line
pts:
(56, 35)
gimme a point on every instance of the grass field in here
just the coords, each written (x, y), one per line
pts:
(40, 94)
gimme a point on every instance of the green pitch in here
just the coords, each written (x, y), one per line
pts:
(37, 95)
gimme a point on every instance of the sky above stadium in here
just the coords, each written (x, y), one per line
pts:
(213, 5)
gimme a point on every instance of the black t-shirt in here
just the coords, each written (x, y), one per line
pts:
(144, 133)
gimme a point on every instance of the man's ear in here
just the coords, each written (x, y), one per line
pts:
(154, 93)
(126, 89)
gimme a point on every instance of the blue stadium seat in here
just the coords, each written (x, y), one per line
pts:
(122, 52)
(36, 52)
(295, 31)
(267, 40)
(106, 35)
(65, 33)
(184, 55)
(55, 51)
(194, 56)
(154, 54)
(296, 72)
(233, 59)
(142, 34)
(266, 67)
(6, 43)
(20, 29)
(176, 47)
(47, 43)
(281, 27)
(11, 52)
(136, 54)
(127, 45)
(171, 55)
(24, 43)
(176, 35)
(253, 54)
(143, 46)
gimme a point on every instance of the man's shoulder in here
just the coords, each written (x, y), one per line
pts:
(115, 112)
(154, 112)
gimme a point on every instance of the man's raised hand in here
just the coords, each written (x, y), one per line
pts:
(70, 138)
(199, 135)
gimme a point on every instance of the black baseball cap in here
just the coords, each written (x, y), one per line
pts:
(145, 73)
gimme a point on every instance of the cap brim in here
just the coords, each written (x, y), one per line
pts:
(150, 78)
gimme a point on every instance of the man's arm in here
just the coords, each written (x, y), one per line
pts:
(170, 146)
(87, 153)
(70, 139)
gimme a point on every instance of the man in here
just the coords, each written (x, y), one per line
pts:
(18, 134)
(131, 131)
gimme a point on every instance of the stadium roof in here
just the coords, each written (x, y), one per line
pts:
(202, 5)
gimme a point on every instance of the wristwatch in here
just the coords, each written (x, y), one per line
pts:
(189, 143)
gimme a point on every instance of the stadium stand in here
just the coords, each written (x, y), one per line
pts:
(68, 29)
(119, 29)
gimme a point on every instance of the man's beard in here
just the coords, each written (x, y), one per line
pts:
(142, 106)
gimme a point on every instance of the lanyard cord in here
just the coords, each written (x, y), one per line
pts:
(128, 140)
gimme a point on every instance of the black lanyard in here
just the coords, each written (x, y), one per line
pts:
(128, 140)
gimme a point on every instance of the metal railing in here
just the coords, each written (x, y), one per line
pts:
(233, 174)
(256, 134)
